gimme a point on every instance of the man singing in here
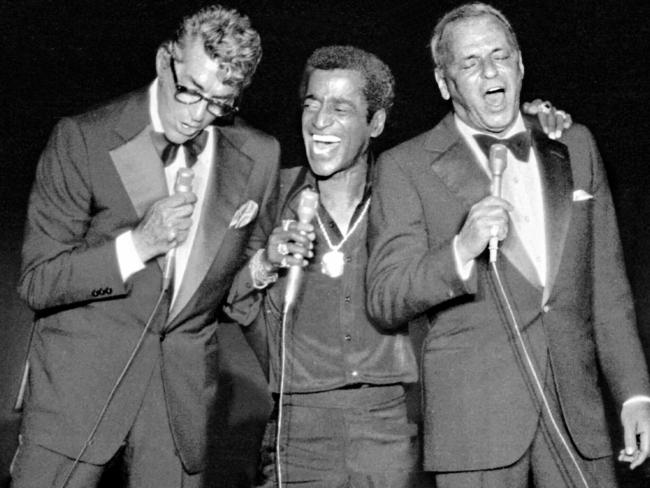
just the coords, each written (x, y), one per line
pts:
(512, 356)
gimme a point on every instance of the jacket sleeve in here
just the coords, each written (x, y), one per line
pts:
(619, 349)
(409, 270)
(60, 265)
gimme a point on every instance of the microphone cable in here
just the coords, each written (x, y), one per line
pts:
(533, 372)
(283, 362)
(113, 391)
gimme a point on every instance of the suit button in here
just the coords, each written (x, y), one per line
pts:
(450, 293)
(348, 299)
(94, 293)
(348, 337)
(109, 290)
(547, 308)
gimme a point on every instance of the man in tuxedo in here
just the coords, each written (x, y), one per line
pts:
(126, 276)
(513, 351)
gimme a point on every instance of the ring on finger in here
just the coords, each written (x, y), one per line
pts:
(286, 223)
(283, 249)
(284, 263)
(545, 107)
(171, 235)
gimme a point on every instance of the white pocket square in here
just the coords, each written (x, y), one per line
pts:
(581, 195)
(244, 215)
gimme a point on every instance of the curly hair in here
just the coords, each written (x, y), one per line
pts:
(440, 42)
(227, 36)
(379, 87)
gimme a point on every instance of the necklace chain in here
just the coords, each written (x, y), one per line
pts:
(349, 232)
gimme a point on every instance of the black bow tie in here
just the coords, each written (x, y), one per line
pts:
(167, 150)
(519, 144)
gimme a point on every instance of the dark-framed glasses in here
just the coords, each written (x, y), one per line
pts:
(188, 97)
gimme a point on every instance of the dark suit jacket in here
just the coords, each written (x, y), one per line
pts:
(478, 407)
(96, 178)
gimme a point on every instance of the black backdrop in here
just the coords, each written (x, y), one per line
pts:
(61, 56)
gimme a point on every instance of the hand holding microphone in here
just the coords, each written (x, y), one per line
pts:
(166, 223)
(306, 211)
(487, 222)
(497, 163)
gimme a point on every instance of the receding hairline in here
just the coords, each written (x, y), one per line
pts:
(466, 13)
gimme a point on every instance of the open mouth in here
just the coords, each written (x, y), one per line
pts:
(495, 96)
(324, 142)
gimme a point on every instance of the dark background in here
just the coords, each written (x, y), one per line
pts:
(61, 56)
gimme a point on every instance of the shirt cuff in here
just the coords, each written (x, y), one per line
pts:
(636, 398)
(261, 275)
(464, 270)
(127, 256)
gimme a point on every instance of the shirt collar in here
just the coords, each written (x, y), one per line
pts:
(469, 132)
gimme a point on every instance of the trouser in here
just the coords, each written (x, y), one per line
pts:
(351, 437)
(149, 455)
(539, 464)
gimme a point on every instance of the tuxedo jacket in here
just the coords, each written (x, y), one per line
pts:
(96, 178)
(480, 409)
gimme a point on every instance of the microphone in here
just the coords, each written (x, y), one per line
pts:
(306, 210)
(183, 184)
(497, 163)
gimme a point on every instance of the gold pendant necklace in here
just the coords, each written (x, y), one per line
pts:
(333, 261)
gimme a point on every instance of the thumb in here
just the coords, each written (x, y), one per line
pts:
(629, 436)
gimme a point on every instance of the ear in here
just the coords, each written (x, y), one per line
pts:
(162, 60)
(377, 123)
(442, 83)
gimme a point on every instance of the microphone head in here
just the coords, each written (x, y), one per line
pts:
(184, 178)
(498, 159)
(308, 205)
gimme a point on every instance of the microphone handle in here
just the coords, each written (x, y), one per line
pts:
(493, 245)
(306, 211)
(183, 184)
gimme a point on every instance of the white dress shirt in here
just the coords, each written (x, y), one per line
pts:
(521, 186)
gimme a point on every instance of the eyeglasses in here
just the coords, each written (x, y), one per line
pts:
(189, 97)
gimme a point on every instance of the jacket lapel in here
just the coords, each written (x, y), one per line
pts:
(225, 192)
(141, 171)
(136, 159)
(455, 164)
(557, 187)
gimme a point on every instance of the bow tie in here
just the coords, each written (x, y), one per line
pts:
(519, 144)
(167, 150)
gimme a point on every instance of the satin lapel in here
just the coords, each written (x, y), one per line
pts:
(141, 171)
(224, 194)
(137, 161)
(557, 191)
(514, 251)
(455, 164)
